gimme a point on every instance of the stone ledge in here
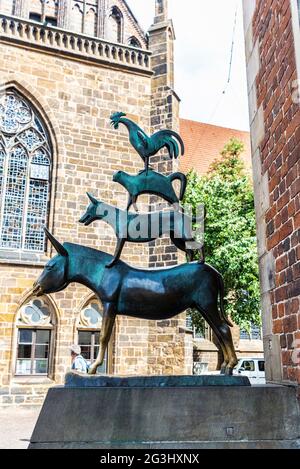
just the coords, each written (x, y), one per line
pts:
(77, 380)
(176, 445)
(204, 345)
(8, 256)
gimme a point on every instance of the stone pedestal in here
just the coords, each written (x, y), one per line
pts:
(167, 413)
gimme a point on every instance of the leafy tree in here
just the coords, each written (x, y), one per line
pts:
(230, 231)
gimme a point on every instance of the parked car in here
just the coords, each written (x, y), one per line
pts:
(254, 368)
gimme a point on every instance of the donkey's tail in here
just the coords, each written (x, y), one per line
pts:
(222, 294)
(183, 179)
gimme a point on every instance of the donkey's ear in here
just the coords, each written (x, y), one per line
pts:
(56, 244)
(92, 198)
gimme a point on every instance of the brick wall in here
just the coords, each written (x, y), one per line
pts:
(275, 133)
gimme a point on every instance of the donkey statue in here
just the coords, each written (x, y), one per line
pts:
(145, 294)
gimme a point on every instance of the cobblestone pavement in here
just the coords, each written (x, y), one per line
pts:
(16, 426)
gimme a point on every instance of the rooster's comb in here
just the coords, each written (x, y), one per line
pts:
(117, 115)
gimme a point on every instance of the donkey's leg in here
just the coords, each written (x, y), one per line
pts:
(118, 252)
(227, 338)
(109, 316)
(215, 329)
(223, 332)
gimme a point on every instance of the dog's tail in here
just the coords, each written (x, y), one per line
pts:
(183, 180)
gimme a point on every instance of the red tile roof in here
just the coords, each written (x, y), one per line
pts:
(204, 142)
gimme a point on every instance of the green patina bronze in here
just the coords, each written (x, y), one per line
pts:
(145, 227)
(146, 294)
(157, 294)
(151, 183)
(149, 146)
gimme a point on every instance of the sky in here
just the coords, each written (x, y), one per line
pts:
(204, 32)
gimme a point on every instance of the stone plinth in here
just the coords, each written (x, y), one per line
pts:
(147, 414)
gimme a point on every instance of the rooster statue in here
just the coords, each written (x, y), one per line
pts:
(149, 146)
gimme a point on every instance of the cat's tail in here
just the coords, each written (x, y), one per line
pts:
(183, 180)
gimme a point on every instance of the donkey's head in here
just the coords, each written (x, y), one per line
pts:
(55, 274)
(91, 211)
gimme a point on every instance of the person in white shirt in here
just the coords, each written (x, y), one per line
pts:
(78, 362)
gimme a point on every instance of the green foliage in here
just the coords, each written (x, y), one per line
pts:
(230, 231)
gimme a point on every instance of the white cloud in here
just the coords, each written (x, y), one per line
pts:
(202, 54)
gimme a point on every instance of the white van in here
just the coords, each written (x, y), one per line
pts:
(254, 368)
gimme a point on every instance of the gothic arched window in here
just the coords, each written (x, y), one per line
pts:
(36, 324)
(115, 25)
(90, 22)
(44, 11)
(25, 168)
(89, 328)
(76, 18)
(50, 8)
(134, 42)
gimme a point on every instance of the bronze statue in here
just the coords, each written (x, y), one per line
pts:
(151, 183)
(149, 146)
(147, 227)
(147, 294)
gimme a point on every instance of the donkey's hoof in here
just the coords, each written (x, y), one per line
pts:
(229, 371)
(223, 370)
(92, 370)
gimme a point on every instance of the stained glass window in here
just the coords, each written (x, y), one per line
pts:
(91, 316)
(25, 167)
(2, 158)
(30, 139)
